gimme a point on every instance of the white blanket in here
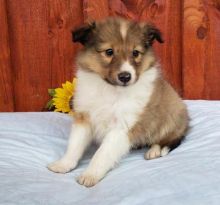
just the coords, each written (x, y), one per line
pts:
(188, 175)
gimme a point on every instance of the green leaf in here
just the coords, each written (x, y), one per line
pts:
(51, 92)
(50, 105)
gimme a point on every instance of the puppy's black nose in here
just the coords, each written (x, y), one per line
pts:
(124, 77)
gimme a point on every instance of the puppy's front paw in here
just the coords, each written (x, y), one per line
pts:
(61, 166)
(87, 179)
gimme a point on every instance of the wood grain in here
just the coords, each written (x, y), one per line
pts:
(95, 9)
(201, 51)
(64, 16)
(42, 50)
(29, 53)
(212, 78)
(171, 57)
(6, 86)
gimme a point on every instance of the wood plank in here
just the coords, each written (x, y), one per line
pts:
(29, 53)
(6, 86)
(212, 71)
(194, 38)
(172, 50)
(201, 51)
(64, 16)
(42, 49)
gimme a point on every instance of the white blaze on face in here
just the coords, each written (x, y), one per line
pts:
(123, 29)
(127, 67)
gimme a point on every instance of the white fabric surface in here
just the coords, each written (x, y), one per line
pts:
(188, 175)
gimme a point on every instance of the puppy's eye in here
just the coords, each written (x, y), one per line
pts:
(135, 53)
(109, 52)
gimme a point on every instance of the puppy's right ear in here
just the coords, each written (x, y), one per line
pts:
(84, 34)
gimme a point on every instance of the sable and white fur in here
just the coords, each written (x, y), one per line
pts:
(143, 111)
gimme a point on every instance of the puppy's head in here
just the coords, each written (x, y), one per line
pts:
(116, 49)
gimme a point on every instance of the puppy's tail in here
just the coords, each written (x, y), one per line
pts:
(174, 144)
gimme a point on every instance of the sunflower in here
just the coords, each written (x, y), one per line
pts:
(62, 97)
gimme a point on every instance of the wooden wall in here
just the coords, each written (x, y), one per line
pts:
(201, 49)
(37, 52)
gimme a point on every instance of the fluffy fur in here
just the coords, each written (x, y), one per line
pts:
(121, 99)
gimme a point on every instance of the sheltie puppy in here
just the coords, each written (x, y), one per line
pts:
(121, 100)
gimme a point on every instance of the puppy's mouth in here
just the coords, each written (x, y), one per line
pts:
(115, 83)
(110, 82)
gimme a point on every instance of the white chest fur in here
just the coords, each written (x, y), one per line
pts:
(112, 107)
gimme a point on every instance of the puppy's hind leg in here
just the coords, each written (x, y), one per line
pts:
(162, 149)
(156, 151)
(80, 138)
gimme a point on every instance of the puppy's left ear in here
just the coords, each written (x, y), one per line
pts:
(151, 34)
(84, 34)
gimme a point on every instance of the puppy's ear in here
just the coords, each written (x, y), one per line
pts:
(152, 33)
(84, 34)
